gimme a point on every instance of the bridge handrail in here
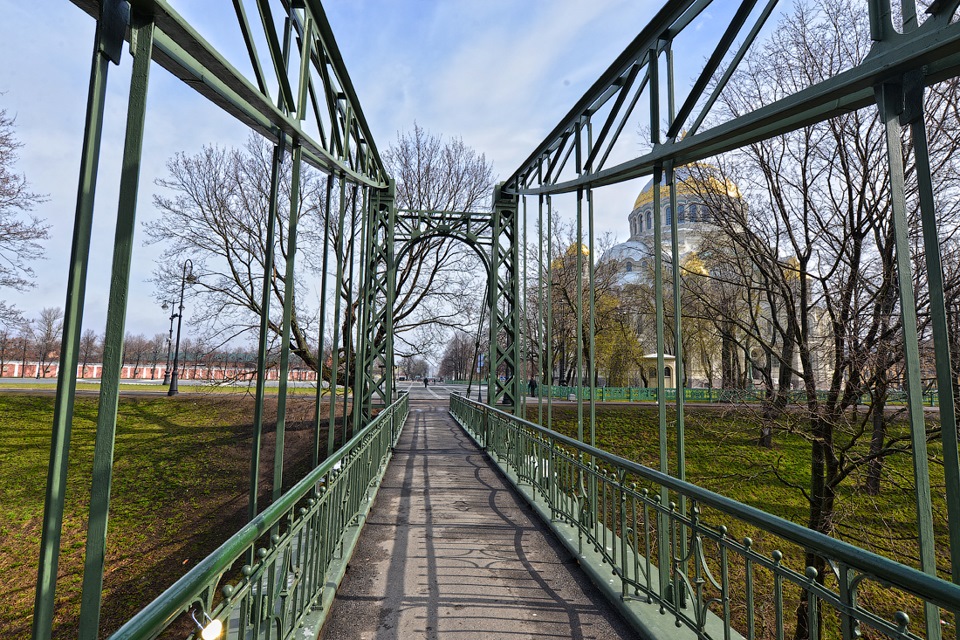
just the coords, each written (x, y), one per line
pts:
(482, 418)
(931, 397)
(197, 586)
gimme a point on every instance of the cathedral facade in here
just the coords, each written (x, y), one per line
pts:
(717, 352)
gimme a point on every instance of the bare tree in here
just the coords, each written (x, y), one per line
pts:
(216, 216)
(7, 345)
(20, 233)
(90, 350)
(569, 295)
(136, 351)
(815, 252)
(437, 278)
(46, 331)
(414, 367)
(158, 350)
(457, 357)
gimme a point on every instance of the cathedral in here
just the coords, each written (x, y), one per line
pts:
(693, 223)
(716, 352)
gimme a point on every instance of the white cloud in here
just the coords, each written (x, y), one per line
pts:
(499, 74)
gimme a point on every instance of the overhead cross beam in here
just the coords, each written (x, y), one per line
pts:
(348, 148)
(933, 47)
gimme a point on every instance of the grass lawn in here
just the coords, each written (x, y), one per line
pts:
(722, 455)
(29, 384)
(180, 487)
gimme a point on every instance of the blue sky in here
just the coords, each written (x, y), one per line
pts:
(498, 73)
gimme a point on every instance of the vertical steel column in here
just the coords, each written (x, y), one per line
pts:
(377, 299)
(142, 47)
(361, 373)
(541, 360)
(264, 335)
(494, 287)
(663, 538)
(366, 357)
(890, 103)
(938, 316)
(505, 288)
(108, 43)
(550, 285)
(323, 331)
(335, 345)
(514, 310)
(579, 310)
(524, 323)
(591, 283)
(288, 292)
(678, 372)
(388, 200)
(348, 322)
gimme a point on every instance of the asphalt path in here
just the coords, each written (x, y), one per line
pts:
(449, 551)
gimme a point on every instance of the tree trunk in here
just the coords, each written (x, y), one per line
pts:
(875, 466)
(824, 469)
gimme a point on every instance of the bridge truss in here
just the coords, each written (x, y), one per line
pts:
(301, 99)
(593, 147)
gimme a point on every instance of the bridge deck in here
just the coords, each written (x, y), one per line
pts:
(449, 551)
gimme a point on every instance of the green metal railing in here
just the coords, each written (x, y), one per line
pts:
(931, 397)
(614, 508)
(276, 569)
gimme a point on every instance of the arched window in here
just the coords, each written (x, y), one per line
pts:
(669, 216)
(667, 373)
(680, 214)
(704, 214)
(629, 266)
(692, 213)
(649, 220)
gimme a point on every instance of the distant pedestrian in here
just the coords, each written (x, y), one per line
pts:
(532, 385)
(425, 381)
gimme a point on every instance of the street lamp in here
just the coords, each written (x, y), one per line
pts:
(184, 279)
(173, 316)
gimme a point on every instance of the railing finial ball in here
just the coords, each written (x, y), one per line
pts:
(902, 619)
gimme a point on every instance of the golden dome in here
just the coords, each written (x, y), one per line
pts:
(687, 185)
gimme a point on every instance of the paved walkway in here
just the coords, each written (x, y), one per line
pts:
(450, 552)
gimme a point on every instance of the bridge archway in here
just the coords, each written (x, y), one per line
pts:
(492, 236)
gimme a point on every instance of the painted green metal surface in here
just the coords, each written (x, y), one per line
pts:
(308, 522)
(636, 529)
(620, 531)
(113, 340)
(45, 599)
(890, 99)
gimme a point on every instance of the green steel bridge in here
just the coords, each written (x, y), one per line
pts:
(659, 545)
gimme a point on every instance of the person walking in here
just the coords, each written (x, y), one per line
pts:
(532, 385)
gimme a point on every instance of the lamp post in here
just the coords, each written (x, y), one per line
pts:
(184, 279)
(173, 316)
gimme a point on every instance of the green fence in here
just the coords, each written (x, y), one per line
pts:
(670, 554)
(272, 577)
(644, 394)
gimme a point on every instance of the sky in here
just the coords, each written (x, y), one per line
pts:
(500, 74)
